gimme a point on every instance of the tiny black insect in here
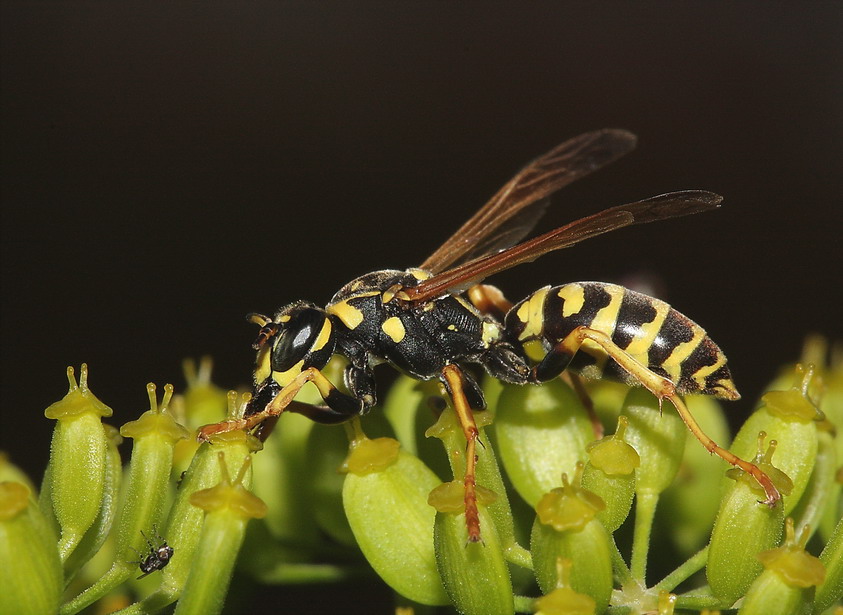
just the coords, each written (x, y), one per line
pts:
(157, 558)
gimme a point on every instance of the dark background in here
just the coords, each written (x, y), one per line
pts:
(168, 168)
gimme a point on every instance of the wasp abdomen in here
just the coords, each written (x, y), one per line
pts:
(647, 329)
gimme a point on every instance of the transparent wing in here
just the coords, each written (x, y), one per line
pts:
(661, 207)
(514, 210)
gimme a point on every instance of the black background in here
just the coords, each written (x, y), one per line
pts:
(168, 168)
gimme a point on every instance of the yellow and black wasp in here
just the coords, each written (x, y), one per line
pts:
(431, 321)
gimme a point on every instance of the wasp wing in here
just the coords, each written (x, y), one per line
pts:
(661, 207)
(514, 210)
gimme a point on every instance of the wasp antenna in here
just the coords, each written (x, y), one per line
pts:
(258, 319)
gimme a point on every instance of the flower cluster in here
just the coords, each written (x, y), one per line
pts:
(570, 521)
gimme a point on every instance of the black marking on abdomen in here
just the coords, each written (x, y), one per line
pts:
(676, 329)
(636, 311)
(556, 326)
(704, 355)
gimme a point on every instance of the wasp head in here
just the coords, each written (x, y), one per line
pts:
(299, 336)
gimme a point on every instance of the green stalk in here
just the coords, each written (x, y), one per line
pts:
(645, 512)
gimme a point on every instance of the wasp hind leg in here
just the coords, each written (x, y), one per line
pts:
(489, 300)
(560, 356)
(338, 409)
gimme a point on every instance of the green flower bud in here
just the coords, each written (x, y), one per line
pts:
(541, 432)
(147, 489)
(691, 502)
(564, 600)
(607, 397)
(827, 388)
(203, 402)
(385, 500)
(155, 434)
(31, 582)
(786, 585)
(610, 474)
(78, 463)
(830, 590)
(228, 508)
(790, 418)
(321, 478)
(183, 528)
(407, 407)
(488, 475)
(658, 434)
(98, 532)
(566, 526)
(475, 574)
(11, 472)
(744, 527)
(327, 449)
(816, 498)
(831, 404)
(281, 476)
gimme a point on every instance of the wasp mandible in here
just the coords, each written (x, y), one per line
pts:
(431, 321)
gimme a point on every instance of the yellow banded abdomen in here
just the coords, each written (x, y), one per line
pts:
(646, 328)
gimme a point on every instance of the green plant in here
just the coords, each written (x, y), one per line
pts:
(554, 503)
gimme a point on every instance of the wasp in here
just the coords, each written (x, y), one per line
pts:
(432, 321)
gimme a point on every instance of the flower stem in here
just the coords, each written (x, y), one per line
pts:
(692, 565)
(645, 510)
(621, 570)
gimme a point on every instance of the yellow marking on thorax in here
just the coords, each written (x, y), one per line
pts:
(491, 332)
(419, 274)
(285, 378)
(574, 297)
(323, 337)
(468, 305)
(673, 363)
(394, 328)
(648, 332)
(284, 318)
(531, 313)
(350, 316)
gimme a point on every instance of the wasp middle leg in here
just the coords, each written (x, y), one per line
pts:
(454, 382)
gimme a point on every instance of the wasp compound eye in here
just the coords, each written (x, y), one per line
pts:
(298, 337)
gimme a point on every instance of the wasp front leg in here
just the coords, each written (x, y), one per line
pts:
(338, 409)
(563, 352)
